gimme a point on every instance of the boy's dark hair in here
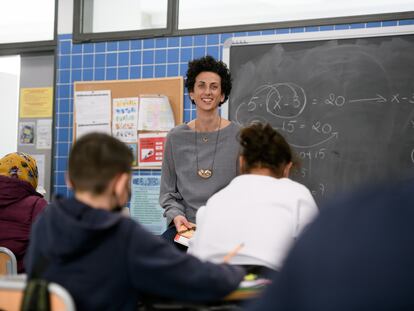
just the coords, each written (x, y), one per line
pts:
(95, 159)
(208, 63)
(264, 147)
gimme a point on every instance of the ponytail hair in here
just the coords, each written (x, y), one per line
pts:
(264, 147)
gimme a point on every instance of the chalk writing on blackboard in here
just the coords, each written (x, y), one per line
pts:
(285, 105)
(344, 102)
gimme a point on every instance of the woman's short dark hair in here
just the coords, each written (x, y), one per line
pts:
(208, 63)
(264, 147)
(95, 159)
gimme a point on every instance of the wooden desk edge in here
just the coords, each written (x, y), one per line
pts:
(243, 294)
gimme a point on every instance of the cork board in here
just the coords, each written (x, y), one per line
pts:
(171, 87)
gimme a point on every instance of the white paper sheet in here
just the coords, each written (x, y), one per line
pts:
(93, 106)
(40, 161)
(155, 113)
(85, 128)
(44, 134)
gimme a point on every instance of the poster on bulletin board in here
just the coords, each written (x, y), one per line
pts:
(144, 206)
(151, 148)
(125, 119)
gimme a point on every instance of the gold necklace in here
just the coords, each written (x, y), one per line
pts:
(208, 172)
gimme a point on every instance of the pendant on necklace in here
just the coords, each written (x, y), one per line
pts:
(205, 139)
(205, 173)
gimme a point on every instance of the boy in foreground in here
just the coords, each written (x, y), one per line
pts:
(107, 261)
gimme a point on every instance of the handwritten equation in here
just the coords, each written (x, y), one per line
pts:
(315, 138)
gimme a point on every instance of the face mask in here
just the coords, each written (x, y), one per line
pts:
(118, 208)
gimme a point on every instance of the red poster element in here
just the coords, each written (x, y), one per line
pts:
(151, 148)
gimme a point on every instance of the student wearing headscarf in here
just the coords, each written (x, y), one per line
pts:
(19, 202)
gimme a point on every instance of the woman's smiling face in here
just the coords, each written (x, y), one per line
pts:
(207, 93)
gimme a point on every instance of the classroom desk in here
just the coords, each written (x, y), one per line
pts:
(232, 302)
(243, 294)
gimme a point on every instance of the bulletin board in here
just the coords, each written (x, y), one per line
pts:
(171, 87)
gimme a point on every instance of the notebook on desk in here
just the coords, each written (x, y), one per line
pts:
(251, 287)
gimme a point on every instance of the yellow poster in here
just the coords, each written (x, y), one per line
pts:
(36, 102)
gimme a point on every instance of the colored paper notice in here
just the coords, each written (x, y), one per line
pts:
(125, 119)
(26, 133)
(144, 206)
(151, 148)
(36, 102)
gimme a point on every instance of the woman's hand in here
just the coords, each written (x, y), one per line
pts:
(180, 221)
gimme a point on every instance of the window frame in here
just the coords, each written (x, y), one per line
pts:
(33, 46)
(79, 36)
(173, 18)
(297, 23)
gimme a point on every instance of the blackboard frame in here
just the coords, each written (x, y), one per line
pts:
(308, 36)
(357, 161)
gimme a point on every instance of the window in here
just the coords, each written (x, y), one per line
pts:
(125, 19)
(130, 18)
(27, 21)
(125, 15)
(197, 14)
(9, 96)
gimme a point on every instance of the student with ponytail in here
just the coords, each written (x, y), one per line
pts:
(262, 208)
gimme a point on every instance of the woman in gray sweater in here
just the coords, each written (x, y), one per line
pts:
(201, 156)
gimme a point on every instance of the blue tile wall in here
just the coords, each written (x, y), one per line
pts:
(136, 59)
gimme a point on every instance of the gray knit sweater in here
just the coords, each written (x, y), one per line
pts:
(182, 190)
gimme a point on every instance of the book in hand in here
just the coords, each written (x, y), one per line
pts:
(183, 236)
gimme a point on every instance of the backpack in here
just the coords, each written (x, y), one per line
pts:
(36, 296)
(36, 293)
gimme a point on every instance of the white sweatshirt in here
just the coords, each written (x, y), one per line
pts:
(264, 213)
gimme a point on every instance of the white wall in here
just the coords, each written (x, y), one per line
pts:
(9, 103)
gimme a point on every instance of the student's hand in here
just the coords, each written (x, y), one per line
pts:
(180, 221)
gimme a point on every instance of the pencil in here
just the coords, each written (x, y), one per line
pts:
(231, 254)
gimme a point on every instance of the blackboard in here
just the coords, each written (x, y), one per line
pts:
(345, 105)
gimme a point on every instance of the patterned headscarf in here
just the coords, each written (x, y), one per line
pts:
(19, 165)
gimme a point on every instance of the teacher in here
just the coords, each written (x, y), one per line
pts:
(201, 156)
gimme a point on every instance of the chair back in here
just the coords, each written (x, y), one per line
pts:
(11, 294)
(8, 262)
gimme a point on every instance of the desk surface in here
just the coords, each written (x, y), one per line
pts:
(247, 290)
(230, 302)
(243, 294)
